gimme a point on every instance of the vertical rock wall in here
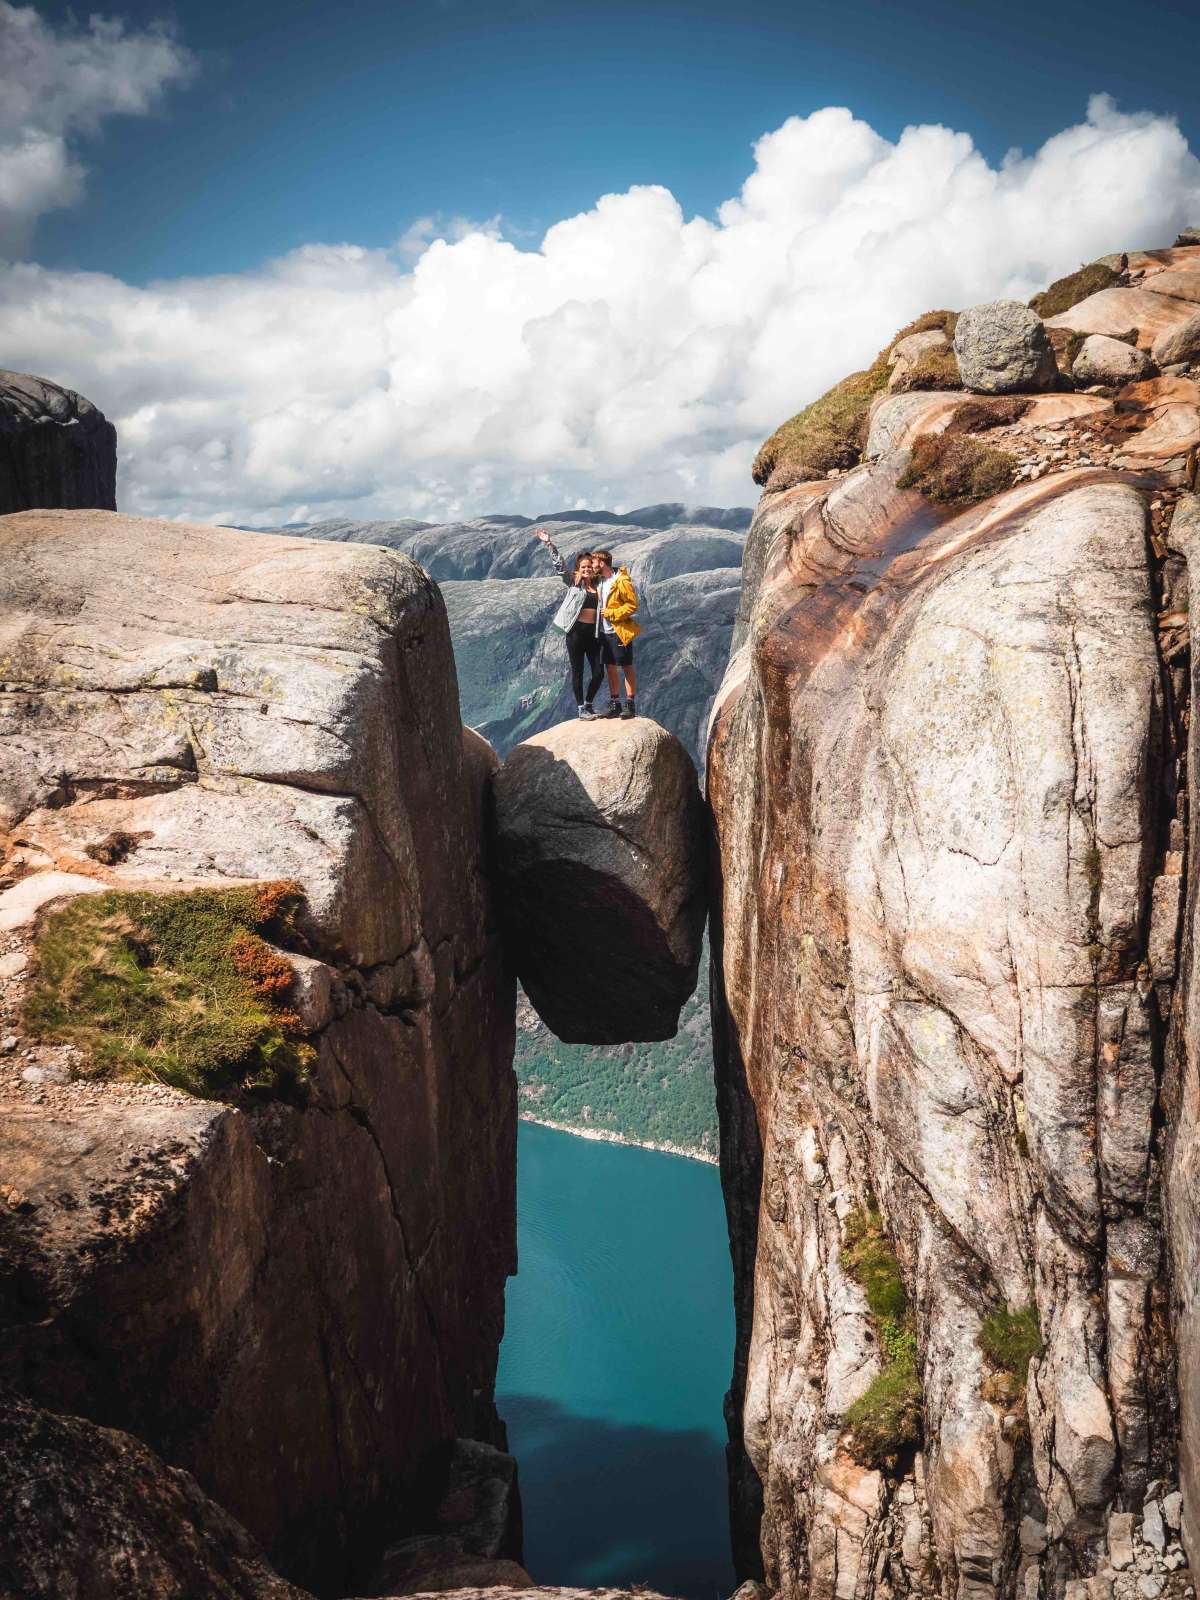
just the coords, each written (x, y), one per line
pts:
(302, 1305)
(943, 777)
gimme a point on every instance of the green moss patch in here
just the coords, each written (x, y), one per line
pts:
(829, 434)
(180, 989)
(956, 470)
(1011, 1339)
(887, 1419)
(1066, 292)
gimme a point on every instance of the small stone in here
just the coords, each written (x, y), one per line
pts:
(1120, 1539)
(1150, 1587)
(750, 1590)
(1172, 1504)
(1153, 1531)
(1077, 1589)
(54, 1072)
(1110, 361)
(1033, 1536)
(9, 1044)
(13, 964)
(1174, 1559)
(1175, 369)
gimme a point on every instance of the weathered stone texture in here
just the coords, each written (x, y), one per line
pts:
(936, 773)
(1110, 361)
(56, 449)
(91, 1513)
(300, 1306)
(601, 857)
(1183, 1088)
(1002, 348)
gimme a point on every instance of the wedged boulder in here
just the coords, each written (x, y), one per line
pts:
(1110, 361)
(601, 855)
(93, 1513)
(299, 1300)
(56, 448)
(1003, 348)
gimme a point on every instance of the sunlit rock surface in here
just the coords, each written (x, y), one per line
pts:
(945, 772)
(300, 1305)
(601, 856)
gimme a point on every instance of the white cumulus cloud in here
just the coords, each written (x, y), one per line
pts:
(635, 354)
(55, 83)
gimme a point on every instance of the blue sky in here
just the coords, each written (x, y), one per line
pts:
(312, 121)
(378, 260)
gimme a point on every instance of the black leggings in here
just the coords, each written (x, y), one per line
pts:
(583, 645)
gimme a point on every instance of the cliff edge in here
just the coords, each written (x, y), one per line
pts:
(949, 780)
(257, 1100)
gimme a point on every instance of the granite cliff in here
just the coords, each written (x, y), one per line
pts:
(288, 1281)
(950, 782)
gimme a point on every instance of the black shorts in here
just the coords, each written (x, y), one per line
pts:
(614, 653)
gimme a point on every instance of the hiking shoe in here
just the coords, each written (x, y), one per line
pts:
(586, 714)
(614, 709)
(629, 712)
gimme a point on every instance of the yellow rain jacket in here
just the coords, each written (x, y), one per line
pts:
(621, 605)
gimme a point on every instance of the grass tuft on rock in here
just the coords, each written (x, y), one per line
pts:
(829, 434)
(887, 1419)
(1066, 292)
(182, 989)
(956, 470)
(1011, 1339)
(934, 369)
(978, 416)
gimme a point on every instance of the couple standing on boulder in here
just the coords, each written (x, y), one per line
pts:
(597, 618)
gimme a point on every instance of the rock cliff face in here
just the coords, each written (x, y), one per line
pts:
(298, 1302)
(948, 776)
(56, 449)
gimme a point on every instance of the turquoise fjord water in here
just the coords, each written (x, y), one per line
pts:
(615, 1361)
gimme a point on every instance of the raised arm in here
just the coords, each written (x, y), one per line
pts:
(560, 566)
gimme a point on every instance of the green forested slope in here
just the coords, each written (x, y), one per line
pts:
(648, 1093)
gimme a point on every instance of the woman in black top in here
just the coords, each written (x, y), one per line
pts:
(583, 641)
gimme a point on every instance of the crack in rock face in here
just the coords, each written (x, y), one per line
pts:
(301, 1302)
(600, 851)
(938, 773)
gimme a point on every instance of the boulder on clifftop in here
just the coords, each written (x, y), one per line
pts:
(601, 856)
(56, 448)
(1003, 348)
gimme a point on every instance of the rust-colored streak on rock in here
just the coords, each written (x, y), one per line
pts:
(937, 771)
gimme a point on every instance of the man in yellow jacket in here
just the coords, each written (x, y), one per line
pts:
(617, 629)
